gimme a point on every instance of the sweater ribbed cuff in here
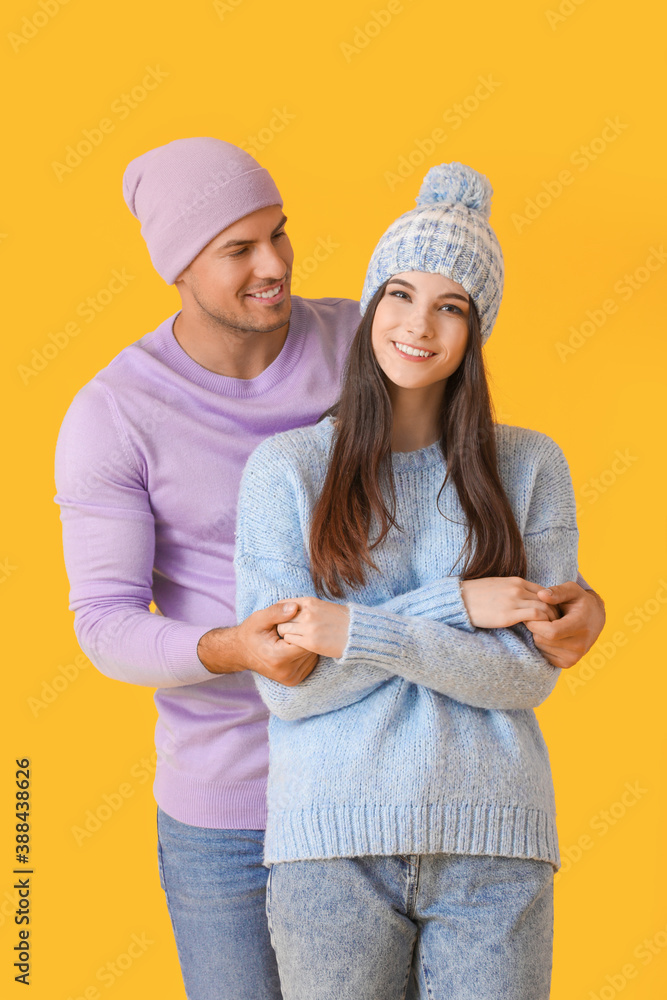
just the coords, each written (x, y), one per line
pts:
(179, 644)
(375, 636)
(441, 599)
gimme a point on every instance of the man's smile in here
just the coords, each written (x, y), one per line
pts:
(274, 293)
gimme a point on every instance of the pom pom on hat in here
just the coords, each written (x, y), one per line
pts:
(449, 234)
(452, 183)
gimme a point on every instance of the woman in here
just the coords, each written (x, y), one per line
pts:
(411, 813)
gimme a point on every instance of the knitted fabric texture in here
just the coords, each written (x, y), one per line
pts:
(421, 738)
(148, 467)
(187, 192)
(449, 234)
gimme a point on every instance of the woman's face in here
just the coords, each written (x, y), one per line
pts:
(420, 329)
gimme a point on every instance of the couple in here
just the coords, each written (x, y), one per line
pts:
(411, 825)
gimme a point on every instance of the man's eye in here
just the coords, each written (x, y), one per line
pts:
(238, 253)
(281, 233)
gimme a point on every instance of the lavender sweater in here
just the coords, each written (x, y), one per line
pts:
(148, 466)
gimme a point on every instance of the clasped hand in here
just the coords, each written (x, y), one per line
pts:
(319, 626)
(565, 620)
(492, 602)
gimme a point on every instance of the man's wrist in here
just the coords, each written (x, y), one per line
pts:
(595, 594)
(220, 652)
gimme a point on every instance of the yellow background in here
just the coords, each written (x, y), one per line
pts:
(357, 110)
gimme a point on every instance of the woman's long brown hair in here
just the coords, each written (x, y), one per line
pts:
(359, 491)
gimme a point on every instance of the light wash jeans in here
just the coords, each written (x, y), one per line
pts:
(433, 926)
(215, 886)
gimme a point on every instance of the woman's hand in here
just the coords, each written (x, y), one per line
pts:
(501, 601)
(319, 626)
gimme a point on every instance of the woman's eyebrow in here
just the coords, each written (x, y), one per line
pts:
(443, 295)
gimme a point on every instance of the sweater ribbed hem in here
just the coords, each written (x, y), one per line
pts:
(237, 805)
(436, 828)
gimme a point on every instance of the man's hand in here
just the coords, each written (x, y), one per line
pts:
(256, 645)
(565, 641)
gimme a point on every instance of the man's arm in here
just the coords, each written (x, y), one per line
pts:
(109, 544)
(255, 645)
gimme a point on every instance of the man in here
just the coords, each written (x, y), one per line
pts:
(148, 465)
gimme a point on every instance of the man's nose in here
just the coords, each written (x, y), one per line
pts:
(268, 262)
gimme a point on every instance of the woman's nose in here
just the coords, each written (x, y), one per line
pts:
(418, 324)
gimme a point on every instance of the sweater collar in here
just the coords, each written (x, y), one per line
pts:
(401, 461)
(176, 358)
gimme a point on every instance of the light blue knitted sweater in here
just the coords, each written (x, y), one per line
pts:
(421, 738)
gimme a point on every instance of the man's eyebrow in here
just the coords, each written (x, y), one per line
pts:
(443, 295)
(245, 243)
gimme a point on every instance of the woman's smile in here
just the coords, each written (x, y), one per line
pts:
(413, 353)
(420, 330)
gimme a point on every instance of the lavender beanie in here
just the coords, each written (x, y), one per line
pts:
(188, 191)
(449, 234)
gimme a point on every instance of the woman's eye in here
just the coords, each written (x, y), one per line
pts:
(399, 294)
(448, 305)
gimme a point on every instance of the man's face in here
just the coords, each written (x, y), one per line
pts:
(241, 279)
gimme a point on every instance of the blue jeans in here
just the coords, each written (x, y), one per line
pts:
(215, 886)
(439, 926)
